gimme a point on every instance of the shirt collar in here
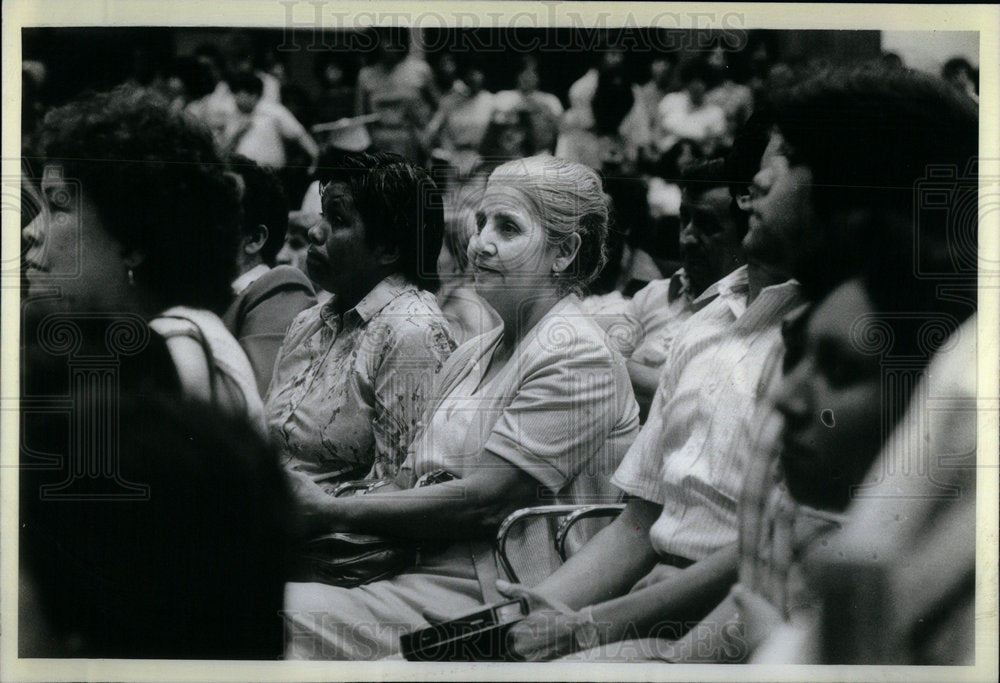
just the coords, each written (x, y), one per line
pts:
(680, 285)
(374, 301)
(732, 289)
(249, 277)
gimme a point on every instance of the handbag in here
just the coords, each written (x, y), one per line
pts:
(349, 560)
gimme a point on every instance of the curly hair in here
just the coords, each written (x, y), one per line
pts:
(400, 206)
(159, 187)
(568, 198)
(870, 137)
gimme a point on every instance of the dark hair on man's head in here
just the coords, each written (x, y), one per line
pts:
(159, 186)
(263, 202)
(192, 566)
(872, 139)
(400, 206)
(710, 174)
(954, 66)
(704, 175)
(242, 81)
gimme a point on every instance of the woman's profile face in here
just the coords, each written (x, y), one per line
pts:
(509, 255)
(831, 401)
(339, 258)
(69, 250)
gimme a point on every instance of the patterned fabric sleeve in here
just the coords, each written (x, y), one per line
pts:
(412, 353)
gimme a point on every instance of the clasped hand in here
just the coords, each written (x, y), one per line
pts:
(551, 630)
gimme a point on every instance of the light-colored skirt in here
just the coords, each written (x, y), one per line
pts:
(365, 623)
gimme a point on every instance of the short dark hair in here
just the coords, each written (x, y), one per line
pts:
(242, 81)
(194, 569)
(870, 136)
(160, 187)
(704, 175)
(955, 66)
(709, 174)
(263, 202)
(400, 206)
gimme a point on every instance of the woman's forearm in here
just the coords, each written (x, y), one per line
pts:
(610, 563)
(663, 609)
(463, 508)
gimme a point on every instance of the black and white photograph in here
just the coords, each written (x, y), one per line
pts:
(499, 341)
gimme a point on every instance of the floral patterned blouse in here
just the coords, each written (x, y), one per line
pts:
(348, 390)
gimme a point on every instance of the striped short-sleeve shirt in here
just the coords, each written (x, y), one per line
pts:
(691, 456)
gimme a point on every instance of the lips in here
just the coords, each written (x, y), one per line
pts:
(486, 269)
(34, 266)
(315, 258)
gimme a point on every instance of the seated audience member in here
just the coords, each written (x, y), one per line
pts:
(540, 408)
(259, 129)
(457, 129)
(641, 120)
(711, 231)
(399, 87)
(912, 549)
(543, 109)
(335, 74)
(467, 313)
(834, 422)
(111, 157)
(735, 99)
(353, 375)
(179, 551)
(295, 248)
(687, 114)
(215, 108)
(267, 297)
(599, 101)
(911, 124)
(509, 136)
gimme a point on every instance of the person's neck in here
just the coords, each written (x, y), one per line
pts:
(245, 264)
(345, 301)
(452, 284)
(761, 274)
(520, 318)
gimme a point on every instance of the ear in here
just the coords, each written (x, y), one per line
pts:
(386, 256)
(567, 252)
(254, 242)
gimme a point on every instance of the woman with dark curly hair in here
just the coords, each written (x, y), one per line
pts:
(539, 408)
(140, 221)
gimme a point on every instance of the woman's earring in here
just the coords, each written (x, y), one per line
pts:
(131, 278)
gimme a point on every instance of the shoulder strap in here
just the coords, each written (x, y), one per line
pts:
(198, 379)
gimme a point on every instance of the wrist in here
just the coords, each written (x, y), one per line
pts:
(585, 631)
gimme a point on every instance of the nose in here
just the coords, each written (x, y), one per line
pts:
(479, 246)
(32, 233)
(317, 233)
(689, 235)
(761, 184)
(284, 255)
(792, 398)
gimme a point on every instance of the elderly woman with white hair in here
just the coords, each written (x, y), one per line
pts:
(539, 408)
